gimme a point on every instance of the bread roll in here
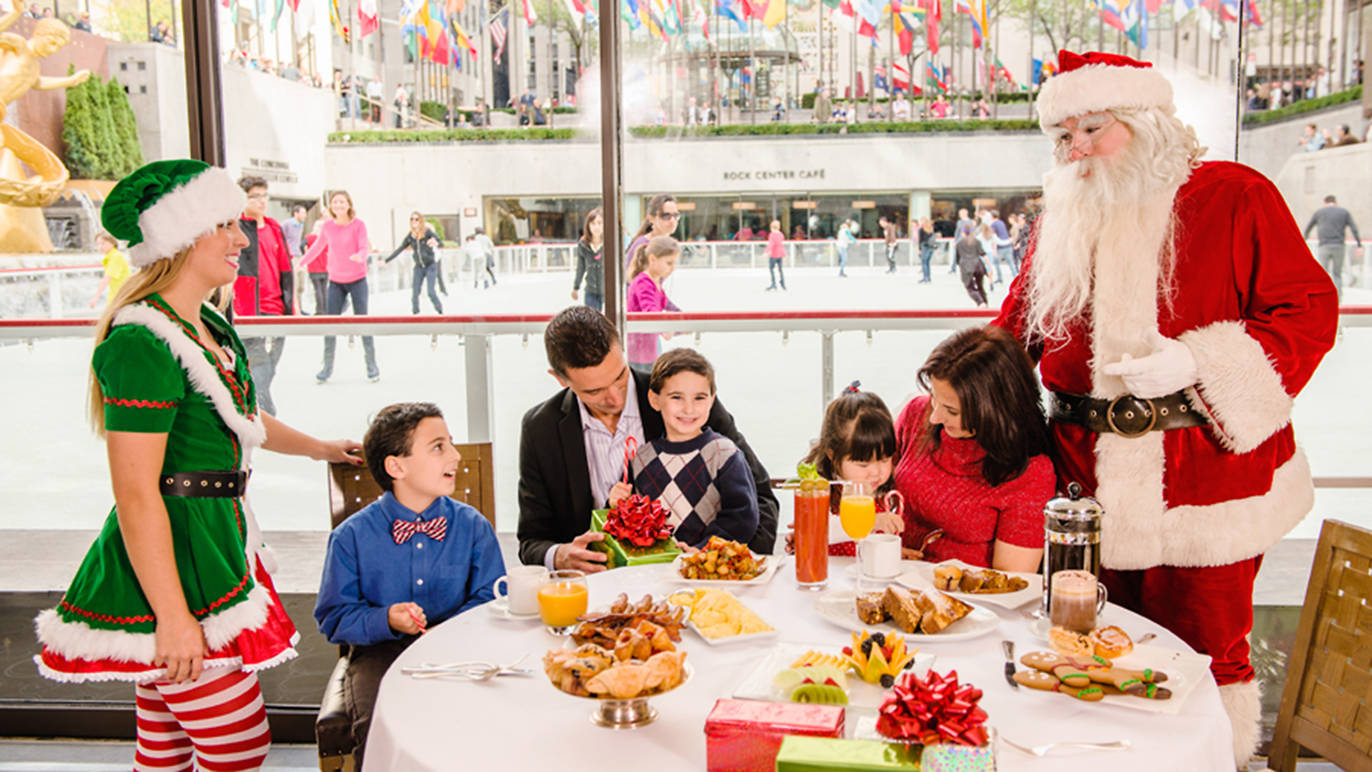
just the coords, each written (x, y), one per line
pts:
(1110, 642)
(1068, 643)
(947, 577)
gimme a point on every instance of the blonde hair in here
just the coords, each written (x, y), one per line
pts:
(151, 279)
(423, 225)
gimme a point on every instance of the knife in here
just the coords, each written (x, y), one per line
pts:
(1009, 647)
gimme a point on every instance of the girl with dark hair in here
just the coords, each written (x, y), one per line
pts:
(973, 453)
(857, 442)
(662, 220)
(590, 251)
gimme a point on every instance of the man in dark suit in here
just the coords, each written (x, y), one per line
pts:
(571, 447)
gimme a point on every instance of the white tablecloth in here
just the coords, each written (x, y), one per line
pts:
(524, 723)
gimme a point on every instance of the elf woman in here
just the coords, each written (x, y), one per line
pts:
(175, 595)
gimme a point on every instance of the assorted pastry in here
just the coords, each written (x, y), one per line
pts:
(980, 581)
(1109, 641)
(592, 671)
(659, 621)
(717, 614)
(1090, 678)
(913, 611)
(722, 559)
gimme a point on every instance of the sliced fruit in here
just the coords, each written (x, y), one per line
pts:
(877, 655)
(819, 694)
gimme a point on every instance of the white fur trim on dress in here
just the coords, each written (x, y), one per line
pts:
(1096, 87)
(185, 214)
(147, 676)
(250, 431)
(1243, 703)
(78, 640)
(1239, 388)
(1138, 533)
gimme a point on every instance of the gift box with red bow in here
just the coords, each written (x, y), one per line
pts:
(745, 735)
(624, 552)
(933, 710)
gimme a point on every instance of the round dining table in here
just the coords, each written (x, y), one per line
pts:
(525, 723)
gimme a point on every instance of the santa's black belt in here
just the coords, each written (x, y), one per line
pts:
(1127, 416)
(204, 484)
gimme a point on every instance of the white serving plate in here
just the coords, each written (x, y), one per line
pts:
(1185, 670)
(840, 609)
(732, 639)
(672, 573)
(923, 573)
(757, 685)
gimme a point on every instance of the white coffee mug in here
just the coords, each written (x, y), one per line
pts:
(521, 588)
(881, 555)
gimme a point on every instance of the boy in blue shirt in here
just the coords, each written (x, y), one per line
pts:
(410, 559)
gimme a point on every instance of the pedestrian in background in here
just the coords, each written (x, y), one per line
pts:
(1329, 223)
(927, 240)
(265, 285)
(422, 240)
(590, 254)
(344, 239)
(776, 253)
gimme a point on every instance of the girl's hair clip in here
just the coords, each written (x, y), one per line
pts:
(852, 388)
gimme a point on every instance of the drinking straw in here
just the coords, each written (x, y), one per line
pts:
(415, 617)
(630, 449)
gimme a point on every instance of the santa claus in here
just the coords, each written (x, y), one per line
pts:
(1175, 311)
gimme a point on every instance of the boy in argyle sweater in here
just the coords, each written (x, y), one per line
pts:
(699, 476)
(408, 560)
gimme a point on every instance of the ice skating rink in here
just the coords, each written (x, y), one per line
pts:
(55, 474)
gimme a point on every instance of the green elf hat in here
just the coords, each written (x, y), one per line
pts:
(164, 206)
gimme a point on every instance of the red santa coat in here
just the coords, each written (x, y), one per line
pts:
(1258, 313)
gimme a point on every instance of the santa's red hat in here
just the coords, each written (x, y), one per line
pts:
(1095, 81)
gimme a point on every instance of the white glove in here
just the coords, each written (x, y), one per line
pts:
(1171, 367)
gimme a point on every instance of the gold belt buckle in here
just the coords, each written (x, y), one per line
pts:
(1143, 401)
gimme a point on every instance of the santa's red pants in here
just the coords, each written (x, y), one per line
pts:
(1210, 608)
(219, 719)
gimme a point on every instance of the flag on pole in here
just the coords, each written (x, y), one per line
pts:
(367, 22)
(1134, 17)
(776, 12)
(1111, 14)
(933, 14)
(461, 36)
(903, 24)
(725, 8)
(530, 15)
(976, 10)
(499, 30)
(937, 77)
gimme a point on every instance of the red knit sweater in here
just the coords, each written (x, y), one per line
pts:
(945, 489)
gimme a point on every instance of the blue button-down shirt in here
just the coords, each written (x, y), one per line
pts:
(366, 572)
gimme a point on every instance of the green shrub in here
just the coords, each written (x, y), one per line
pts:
(807, 101)
(99, 131)
(873, 127)
(432, 110)
(1304, 106)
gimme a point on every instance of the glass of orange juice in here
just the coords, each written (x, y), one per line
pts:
(562, 599)
(857, 513)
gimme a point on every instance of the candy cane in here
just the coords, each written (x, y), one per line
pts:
(894, 502)
(630, 450)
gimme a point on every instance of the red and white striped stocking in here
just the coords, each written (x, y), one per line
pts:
(220, 716)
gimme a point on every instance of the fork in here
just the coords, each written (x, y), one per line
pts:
(1043, 750)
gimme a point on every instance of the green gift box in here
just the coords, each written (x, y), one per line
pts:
(821, 754)
(664, 551)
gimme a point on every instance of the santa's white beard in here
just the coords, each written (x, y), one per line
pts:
(1105, 220)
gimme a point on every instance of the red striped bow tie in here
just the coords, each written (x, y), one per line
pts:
(402, 530)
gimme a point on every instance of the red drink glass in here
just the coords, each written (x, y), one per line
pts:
(812, 537)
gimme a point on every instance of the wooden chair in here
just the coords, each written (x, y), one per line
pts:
(1327, 703)
(351, 488)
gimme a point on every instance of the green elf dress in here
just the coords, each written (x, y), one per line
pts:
(158, 377)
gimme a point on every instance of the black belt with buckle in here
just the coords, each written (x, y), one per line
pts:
(222, 485)
(1127, 416)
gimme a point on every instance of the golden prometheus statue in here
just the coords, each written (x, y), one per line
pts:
(22, 228)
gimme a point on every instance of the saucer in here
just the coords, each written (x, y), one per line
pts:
(500, 609)
(853, 572)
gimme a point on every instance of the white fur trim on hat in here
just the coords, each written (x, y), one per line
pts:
(1095, 87)
(186, 213)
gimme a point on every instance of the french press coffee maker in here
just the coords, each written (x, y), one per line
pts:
(1071, 538)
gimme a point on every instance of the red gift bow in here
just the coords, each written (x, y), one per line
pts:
(933, 710)
(638, 520)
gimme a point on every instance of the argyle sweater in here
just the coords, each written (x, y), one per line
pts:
(705, 483)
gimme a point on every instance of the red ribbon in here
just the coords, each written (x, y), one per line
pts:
(933, 710)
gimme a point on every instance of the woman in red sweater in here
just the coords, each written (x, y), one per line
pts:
(973, 454)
